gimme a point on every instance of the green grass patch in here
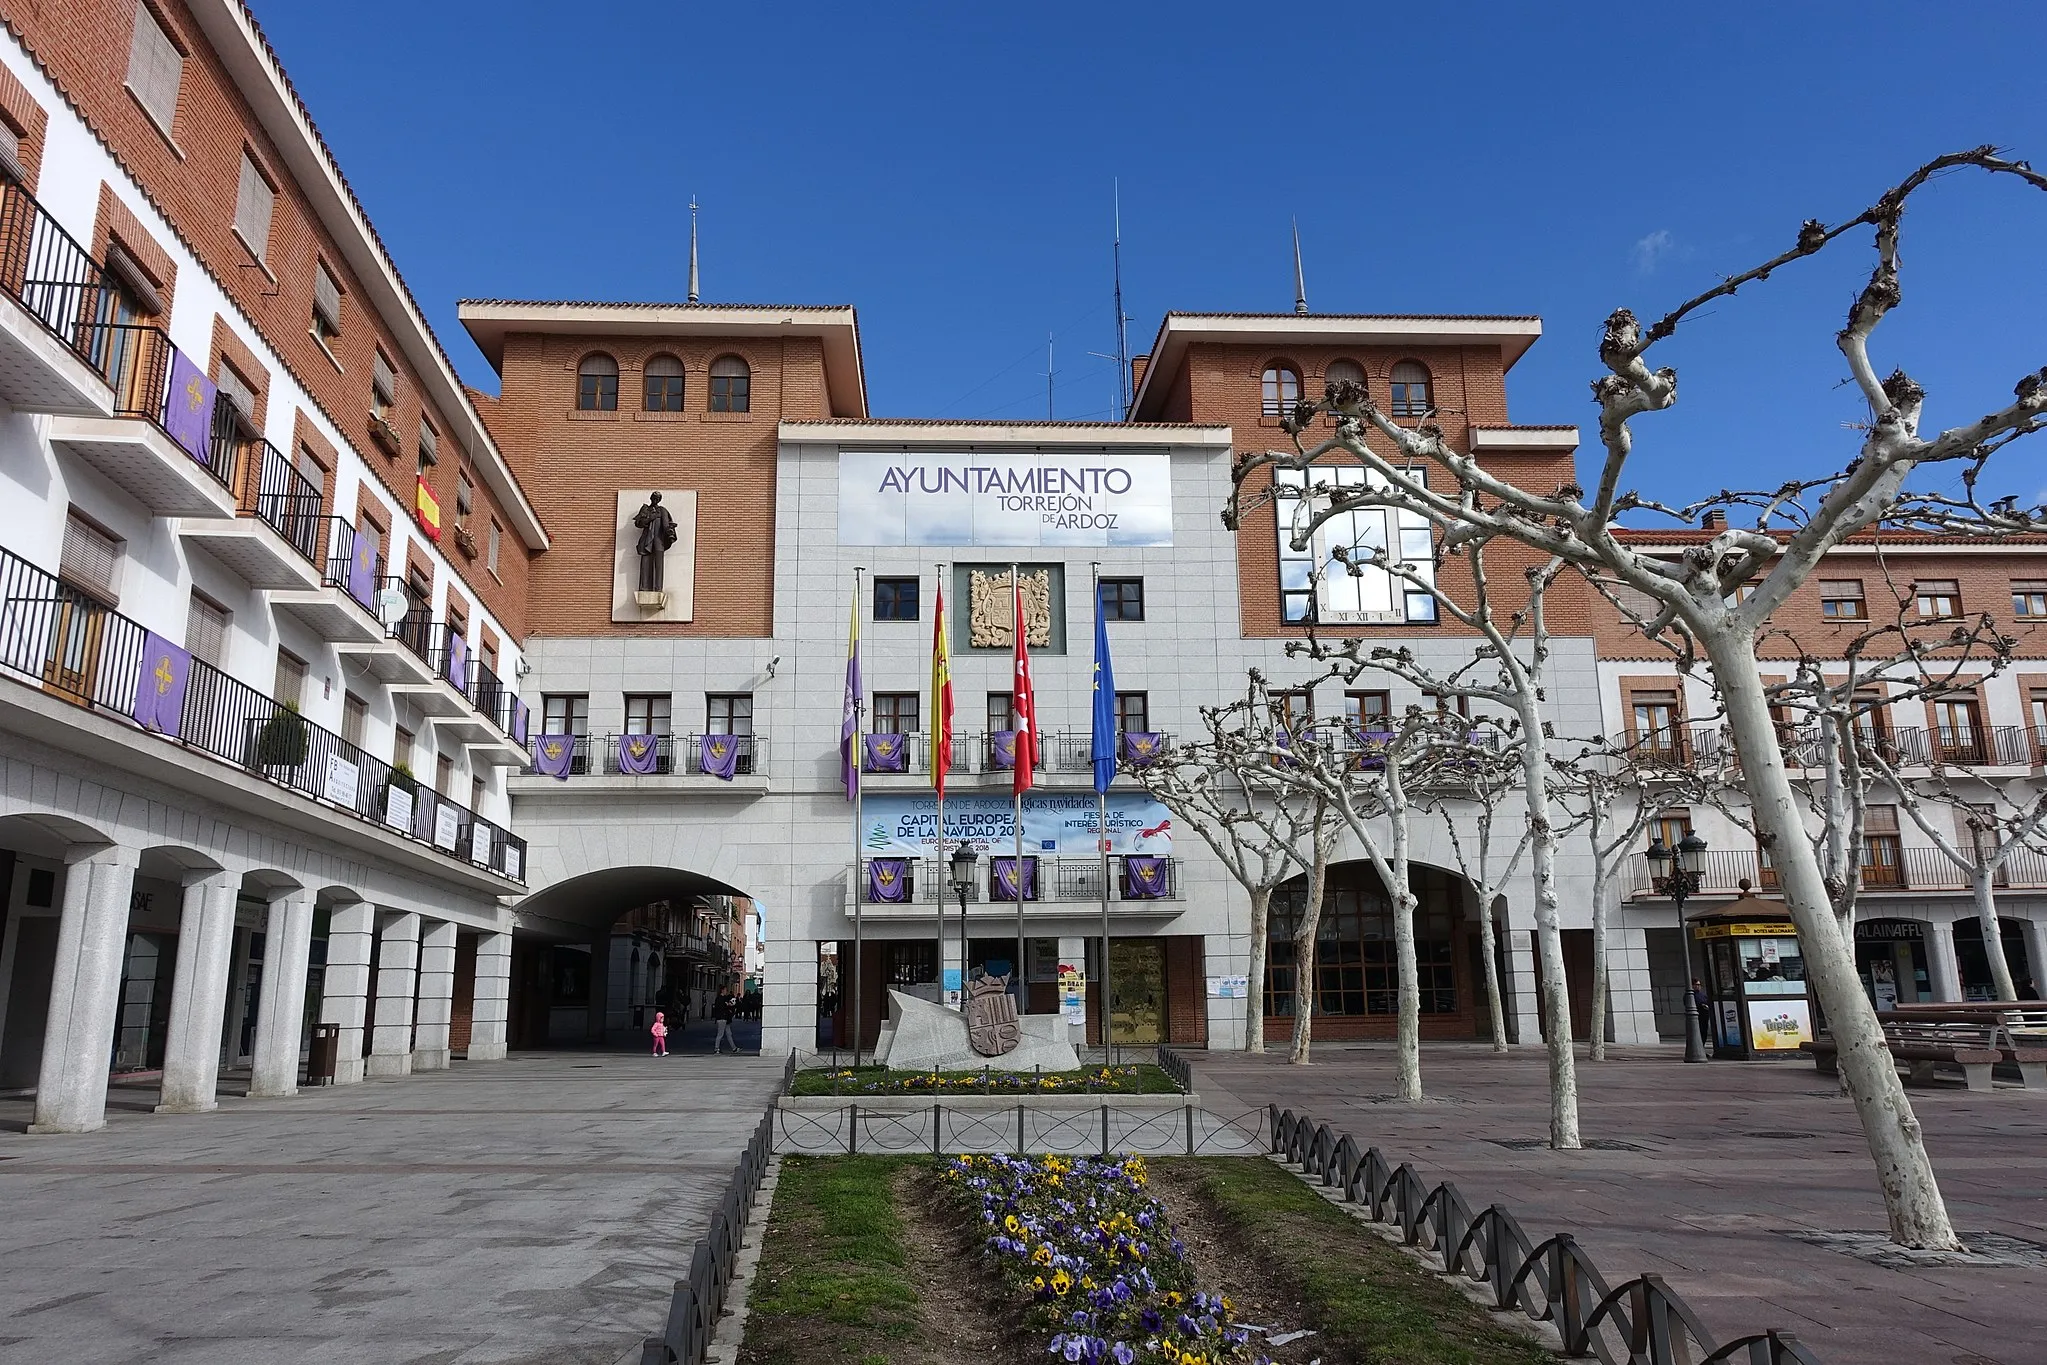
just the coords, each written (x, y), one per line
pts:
(1370, 1301)
(847, 1082)
(834, 1282)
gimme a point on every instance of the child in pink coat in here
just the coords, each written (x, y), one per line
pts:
(660, 1035)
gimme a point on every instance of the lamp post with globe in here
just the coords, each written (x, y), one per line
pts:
(1675, 873)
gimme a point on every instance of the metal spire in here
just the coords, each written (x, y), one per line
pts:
(1122, 335)
(693, 249)
(1300, 281)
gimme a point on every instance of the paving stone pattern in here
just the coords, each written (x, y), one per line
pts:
(535, 1209)
(1740, 1165)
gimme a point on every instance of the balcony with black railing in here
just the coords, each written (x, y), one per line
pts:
(55, 296)
(1886, 867)
(58, 640)
(278, 540)
(698, 761)
(342, 609)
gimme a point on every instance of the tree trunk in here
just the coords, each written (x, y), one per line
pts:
(1911, 1194)
(1409, 1041)
(1488, 946)
(1254, 992)
(1304, 958)
(1599, 987)
(1981, 880)
(1549, 943)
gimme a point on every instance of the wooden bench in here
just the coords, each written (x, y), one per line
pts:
(2018, 1030)
(1975, 1045)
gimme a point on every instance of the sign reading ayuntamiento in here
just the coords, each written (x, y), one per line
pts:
(1076, 498)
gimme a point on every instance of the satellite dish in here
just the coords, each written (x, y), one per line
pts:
(391, 607)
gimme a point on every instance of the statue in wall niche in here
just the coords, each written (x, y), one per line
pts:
(989, 613)
(657, 538)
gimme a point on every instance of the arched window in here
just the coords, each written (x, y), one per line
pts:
(1414, 393)
(731, 385)
(597, 383)
(664, 384)
(1344, 372)
(1281, 389)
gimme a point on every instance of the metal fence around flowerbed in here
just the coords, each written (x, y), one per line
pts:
(1642, 1322)
(1124, 1125)
(699, 1297)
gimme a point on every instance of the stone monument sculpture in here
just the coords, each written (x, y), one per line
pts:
(657, 537)
(992, 1027)
(921, 1035)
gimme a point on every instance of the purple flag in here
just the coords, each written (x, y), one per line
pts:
(188, 408)
(521, 718)
(886, 753)
(458, 661)
(1373, 746)
(160, 686)
(553, 755)
(888, 880)
(362, 570)
(1002, 749)
(1005, 878)
(1146, 877)
(1141, 747)
(718, 755)
(849, 723)
(639, 755)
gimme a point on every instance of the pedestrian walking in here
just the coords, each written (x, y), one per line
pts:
(722, 1011)
(660, 1035)
(1703, 1007)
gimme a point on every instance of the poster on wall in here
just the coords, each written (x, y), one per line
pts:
(906, 824)
(1037, 498)
(1229, 987)
(1730, 1024)
(444, 828)
(397, 807)
(341, 779)
(1073, 992)
(1779, 1025)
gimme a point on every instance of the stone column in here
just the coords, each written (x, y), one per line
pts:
(1944, 973)
(85, 988)
(490, 1011)
(1225, 955)
(206, 944)
(351, 932)
(2036, 950)
(1523, 1004)
(281, 1005)
(1630, 1002)
(436, 997)
(397, 966)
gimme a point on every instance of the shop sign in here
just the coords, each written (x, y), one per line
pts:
(1779, 1025)
(1772, 930)
(1079, 498)
(1881, 929)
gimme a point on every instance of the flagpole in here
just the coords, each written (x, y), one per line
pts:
(941, 734)
(1102, 827)
(1023, 755)
(859, 789)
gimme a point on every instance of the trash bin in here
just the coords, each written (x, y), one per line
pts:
(326, 1053)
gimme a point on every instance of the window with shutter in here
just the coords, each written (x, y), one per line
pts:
(355, 714)
(465, 498)
(10, 154)
(237, 388)
(326, 304)
(155, 67)
(429, 445)
(254, 203)
(383, 387)
(91, 559)
(206, 630)
(491, 559)
(291, 678)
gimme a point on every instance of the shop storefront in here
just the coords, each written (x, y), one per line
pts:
(1890, 956)
(1755, 979)
(1356, 978)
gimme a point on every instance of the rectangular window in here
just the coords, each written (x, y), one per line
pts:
(1315, 586)
(383, 387)
(355, 715)
(326, 305)
(91, 560)
(402, 747)
(429, 446)
(1122, 599)
(895, 599)
(1657, 733)
(564, 713)
(475, 794)
(1133, 713)
(2029, 597)
(2036, 712)
(497, 534)
(290, 688)
(1001, 711)
(155, 68)
(896, 713)
(255, 201)
(1367, 710)
(1939, 598)
(729, 713)
(206, 623)
(1958, 726)
(647, 713)
(1841, 600)
(444, 774)
(465, 497)
(1883, 862)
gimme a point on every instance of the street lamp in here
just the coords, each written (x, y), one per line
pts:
(962, 881)
(1676, 875)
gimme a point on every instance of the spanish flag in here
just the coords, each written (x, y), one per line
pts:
(941, 697)
(427, 510)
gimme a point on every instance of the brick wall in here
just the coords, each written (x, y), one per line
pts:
(191, 174)
(573, 463)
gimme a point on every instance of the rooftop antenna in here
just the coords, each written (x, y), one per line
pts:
(1122, 336)
(1300, 281)
(1048, 376)
(693, 249)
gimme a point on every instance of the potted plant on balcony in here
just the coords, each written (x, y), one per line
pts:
(284, 739)
(465, 542)
(384, 434)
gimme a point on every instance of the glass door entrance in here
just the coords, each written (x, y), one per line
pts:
(1137, 990)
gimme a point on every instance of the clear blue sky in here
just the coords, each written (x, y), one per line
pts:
(947, 169)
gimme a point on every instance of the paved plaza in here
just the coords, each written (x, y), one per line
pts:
(534, 1209)
(1735, 1158)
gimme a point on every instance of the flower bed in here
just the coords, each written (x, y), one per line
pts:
(1101, 1080)
(1091, 1253)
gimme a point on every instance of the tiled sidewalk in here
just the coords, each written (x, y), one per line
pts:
(1736, 1157)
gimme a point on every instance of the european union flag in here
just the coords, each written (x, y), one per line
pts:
(1103, 748)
